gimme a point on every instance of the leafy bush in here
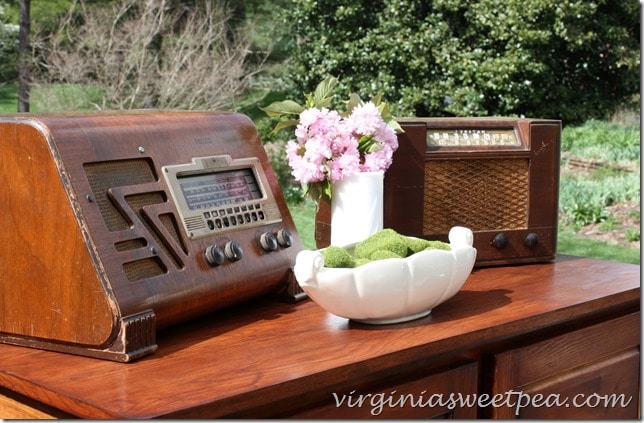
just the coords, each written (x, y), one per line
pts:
(633, 234)
(277, 156)
(569, 59)
(581, 203)
(603, 141)
(8, 51)
(43, 16)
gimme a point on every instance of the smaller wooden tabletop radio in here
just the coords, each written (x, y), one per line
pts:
(496, 176)
(118, 224)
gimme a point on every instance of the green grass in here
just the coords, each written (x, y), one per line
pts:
(568, 243)
(64, 97)
(8, 98)
(304, 218)
(586, 197)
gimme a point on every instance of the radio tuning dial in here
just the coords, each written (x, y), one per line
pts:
(214, 256)
(500, 240)
(531, 240)
(233, 251)
(268, 242)
(284, 238)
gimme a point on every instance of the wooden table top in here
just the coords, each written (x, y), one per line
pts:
(265, 352)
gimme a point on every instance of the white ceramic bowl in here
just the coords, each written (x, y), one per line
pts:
(391, 290)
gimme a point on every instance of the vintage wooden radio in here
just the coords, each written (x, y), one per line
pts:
(496, 176)
(118, 224)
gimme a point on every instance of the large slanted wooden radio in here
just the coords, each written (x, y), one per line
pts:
(496, 176)
(116, 225)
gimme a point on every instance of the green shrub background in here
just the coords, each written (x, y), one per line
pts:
(565, 59)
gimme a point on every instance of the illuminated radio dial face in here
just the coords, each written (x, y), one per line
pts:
(218, 194)
(217, 189)
(471, 137)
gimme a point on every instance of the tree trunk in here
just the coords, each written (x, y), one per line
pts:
(24, 54)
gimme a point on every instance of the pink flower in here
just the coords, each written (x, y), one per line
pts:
(365, 119)
(345, 164)
(378, 160)
(303, 170)
(328, 147)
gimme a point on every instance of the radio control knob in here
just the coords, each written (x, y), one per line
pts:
(214, 256)
(233, 251)
(531, 240)
(268, 242)
(284, 238)
(500, 241)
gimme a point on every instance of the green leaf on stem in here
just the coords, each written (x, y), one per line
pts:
(395, 126)
(285, 124)
(286, 107)
(353, 102)
(318, 191)
(324, 92)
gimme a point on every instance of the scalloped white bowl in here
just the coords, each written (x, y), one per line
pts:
(390, 290)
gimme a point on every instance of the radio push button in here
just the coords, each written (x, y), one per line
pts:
(214, 256)
(284, 238)
(268, 242)
(233, 251)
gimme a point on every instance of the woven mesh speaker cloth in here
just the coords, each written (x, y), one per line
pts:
(487, 194)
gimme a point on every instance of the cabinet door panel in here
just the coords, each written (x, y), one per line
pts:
(427, 397)
(606, 389)
(553, 358)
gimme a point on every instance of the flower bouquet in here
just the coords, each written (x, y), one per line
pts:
(330, 145)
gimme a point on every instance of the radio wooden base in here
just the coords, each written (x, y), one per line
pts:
(568, 330)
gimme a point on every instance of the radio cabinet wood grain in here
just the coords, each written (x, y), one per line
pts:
(568, 327)
(108, 218)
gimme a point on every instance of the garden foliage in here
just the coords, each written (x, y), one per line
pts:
(566, 59)
(586, 195)
(8, 48)
(42, 14)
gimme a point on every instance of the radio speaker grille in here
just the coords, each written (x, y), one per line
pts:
(479, 194)
(104, 175)
(144, 269)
